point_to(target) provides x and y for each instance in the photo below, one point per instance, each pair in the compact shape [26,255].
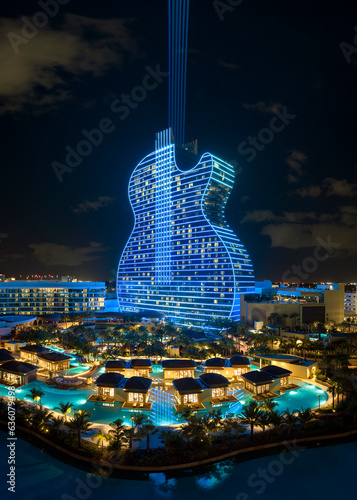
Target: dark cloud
[36,75]
[264,107]
[87,206]
[53,254]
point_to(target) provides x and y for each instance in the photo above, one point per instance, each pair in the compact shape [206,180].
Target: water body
[323,472]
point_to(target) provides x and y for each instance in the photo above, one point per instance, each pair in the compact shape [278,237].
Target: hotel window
[136,397]
[217,392]
[190,398]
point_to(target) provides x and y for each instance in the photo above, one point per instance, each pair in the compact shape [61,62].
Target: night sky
[246,65]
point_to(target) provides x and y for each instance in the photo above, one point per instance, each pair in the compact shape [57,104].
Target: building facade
[350,306]
[49,297]
[182,259]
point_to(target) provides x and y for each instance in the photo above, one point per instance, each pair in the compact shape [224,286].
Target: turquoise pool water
[324,472]
[162,412]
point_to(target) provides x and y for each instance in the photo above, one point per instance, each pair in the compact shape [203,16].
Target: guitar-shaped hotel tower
[182,259]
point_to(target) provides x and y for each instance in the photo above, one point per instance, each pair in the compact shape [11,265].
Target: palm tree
[101,437]
[79,424]
[36,395]
[147,430]
[332,390]
[65,409]
[56,425]
[117,436]
[305,417]
[276,419]
[170,440]
[251,415]
[264,420]
[268,405]
[289,421]
[41,418]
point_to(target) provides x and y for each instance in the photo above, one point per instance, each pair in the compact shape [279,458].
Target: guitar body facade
[182,259]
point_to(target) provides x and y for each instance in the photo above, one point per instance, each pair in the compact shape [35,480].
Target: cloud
[231,66]
[295,236]
[38,76]
[336,187]
[87,206]
[52,254]
[349,215]
[296,160]
[258,216]
[329,187]
[311,191]
[268,215]
[264,107]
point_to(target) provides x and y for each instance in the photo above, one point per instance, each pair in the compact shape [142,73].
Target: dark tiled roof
[257,377]
[187,384]
[276,371]
[117,363]
[140,363]
[5,355]
[215,363]
[178,363]
[34,348]
[139,384]
[54,356]
[110,379]
[18,367]
[239,361]
[214,380]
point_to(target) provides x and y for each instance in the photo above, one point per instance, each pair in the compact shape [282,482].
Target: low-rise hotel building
[178,368]
[50,297]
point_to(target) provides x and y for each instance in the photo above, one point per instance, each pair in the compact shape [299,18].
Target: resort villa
[189,391]
[53,361]
[178,368]
[132,368]
[208,388]
[216,385]
[132,392]
[136,393]
[17,373]
[30,352]
[230,368]
[265,383]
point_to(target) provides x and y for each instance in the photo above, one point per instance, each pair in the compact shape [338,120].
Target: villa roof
[187,384]
[214,380]
[178,363]
[5,355]
[239,361]
[34,348]
[109,379]
[216,362]
[116,363]
[257,377]
[138,384]
[276,371]
[18,367]
[54,356]
[140,363]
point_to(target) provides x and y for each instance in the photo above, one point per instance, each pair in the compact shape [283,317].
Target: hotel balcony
[137,406]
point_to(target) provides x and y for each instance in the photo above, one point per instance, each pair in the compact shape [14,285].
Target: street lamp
[319,396]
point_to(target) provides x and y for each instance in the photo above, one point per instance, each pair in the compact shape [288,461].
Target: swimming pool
[162,412]
[313,473]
